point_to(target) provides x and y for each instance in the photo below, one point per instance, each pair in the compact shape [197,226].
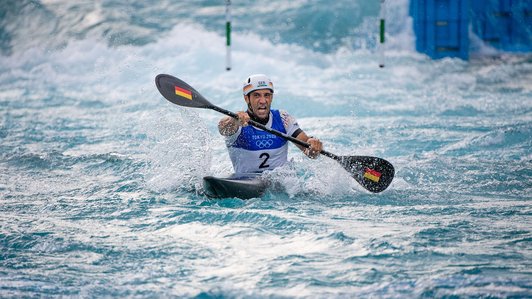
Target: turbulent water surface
[100,177]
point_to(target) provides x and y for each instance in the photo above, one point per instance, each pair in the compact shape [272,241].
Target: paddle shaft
[274,132]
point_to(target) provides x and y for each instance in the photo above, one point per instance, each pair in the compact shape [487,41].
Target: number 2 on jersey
[264,156]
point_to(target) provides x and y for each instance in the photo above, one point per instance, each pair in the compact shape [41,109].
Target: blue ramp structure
[503,24]
[443,27]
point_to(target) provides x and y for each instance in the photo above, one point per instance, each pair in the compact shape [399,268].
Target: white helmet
[255,82]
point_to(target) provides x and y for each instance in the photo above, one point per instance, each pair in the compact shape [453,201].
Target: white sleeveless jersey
[254,150]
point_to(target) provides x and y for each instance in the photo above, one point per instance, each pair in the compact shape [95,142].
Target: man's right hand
[243,118]
[229,125]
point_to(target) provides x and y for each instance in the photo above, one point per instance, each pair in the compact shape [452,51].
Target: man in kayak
[252,149]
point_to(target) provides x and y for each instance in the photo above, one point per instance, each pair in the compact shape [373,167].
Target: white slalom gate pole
[381,32]
[228,34]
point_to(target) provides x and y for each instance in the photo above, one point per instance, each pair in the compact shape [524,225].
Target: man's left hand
[315,147]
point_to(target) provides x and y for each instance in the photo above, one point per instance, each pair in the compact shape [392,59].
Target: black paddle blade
[374,174]
[179,92]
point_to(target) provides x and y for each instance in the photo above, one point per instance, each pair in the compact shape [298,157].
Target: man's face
[260,101]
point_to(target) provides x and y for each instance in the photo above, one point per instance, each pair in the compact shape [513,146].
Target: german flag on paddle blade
[372,175]
[183,93]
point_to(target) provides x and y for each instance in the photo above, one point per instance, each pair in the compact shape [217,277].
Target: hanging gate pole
[228,34]
[381,33]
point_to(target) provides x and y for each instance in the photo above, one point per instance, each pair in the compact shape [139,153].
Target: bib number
[264,156]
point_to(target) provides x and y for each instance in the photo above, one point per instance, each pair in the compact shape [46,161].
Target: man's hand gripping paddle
[374,174]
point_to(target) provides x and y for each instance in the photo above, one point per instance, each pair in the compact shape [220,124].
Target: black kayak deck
[244,186]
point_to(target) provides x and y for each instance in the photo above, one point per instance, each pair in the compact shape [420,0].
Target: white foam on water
[457,132]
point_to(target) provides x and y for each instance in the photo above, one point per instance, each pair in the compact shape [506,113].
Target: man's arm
[228,125]
[315,145]
[291,126]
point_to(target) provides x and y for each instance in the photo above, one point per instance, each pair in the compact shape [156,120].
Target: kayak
[244,186]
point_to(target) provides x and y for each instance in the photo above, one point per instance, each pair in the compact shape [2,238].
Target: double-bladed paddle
[374,174]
